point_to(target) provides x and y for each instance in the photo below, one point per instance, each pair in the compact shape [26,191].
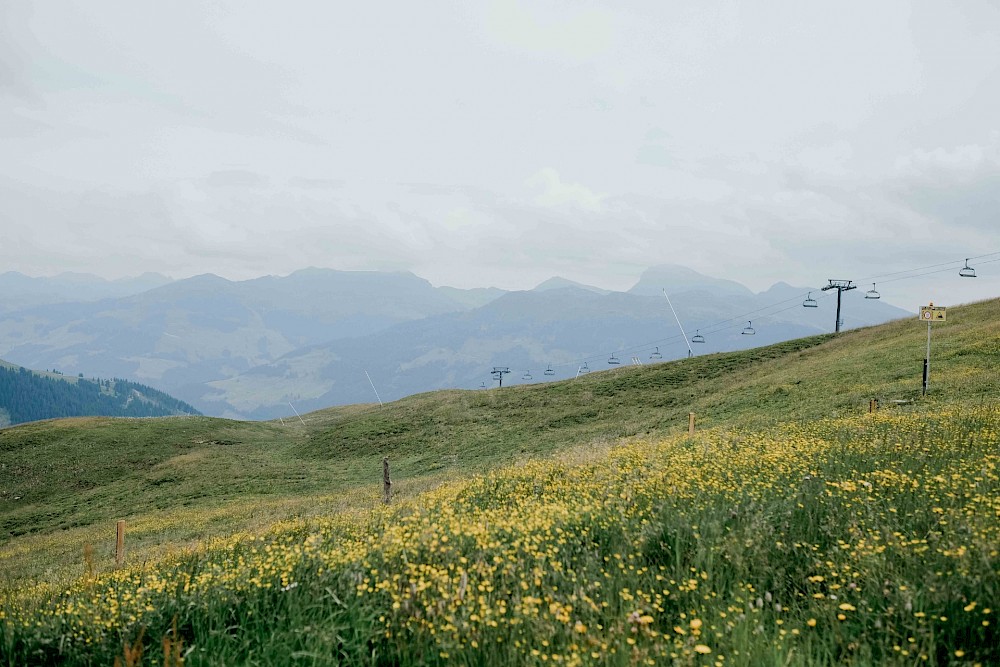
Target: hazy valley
[249,349]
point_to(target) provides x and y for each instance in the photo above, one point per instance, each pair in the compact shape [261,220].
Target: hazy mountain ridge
[207,327]
[525,331]
[675,278]
[248,348]
[20,291]
[558,282]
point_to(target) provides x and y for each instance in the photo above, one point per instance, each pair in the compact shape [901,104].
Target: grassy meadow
[571,523]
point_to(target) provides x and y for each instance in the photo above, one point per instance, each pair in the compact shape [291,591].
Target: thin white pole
[681,326]
[296,413]
[373,388]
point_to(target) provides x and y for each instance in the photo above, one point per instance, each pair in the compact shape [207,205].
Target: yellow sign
[933,313]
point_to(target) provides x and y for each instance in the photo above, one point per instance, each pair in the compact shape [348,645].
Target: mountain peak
[676,278]
[558,282]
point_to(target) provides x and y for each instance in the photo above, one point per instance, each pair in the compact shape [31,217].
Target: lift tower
[498,372]
[841,286]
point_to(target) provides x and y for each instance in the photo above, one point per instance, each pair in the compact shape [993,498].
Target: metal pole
[837,325]
[927,359]
[841,286]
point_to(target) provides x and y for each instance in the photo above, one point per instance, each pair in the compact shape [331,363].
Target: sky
[502,143]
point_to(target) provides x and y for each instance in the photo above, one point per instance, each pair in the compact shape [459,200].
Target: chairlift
[872,294]
[697,338]
[549,371]
[968,271]
[584,368]
[526,376]
[482,385]
[810,302]
[748,329]
[613,360]
[656,353]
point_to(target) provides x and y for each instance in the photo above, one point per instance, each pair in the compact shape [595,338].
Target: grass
[181,482]
[74,474]
[858,540]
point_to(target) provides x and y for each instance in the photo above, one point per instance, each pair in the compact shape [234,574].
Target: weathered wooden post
[386,482]
[120,544]
[88,561]
[690,424]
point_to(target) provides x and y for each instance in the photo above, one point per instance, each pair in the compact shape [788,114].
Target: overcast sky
[501,143]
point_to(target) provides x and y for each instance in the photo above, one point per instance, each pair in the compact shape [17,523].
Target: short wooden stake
[386,482]
[88,561]
[690,423]
[120,544]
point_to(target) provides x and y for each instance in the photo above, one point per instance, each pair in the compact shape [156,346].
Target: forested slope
[29,396]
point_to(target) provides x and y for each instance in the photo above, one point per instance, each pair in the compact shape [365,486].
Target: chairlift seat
[748,330]
[697,338]
[967,271]
[810,302]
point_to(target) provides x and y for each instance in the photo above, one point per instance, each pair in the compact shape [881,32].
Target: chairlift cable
[929,273]
[725,324]
[931,266]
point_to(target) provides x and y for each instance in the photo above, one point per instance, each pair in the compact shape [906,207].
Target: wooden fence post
[120,544]
[386,482]
[690,424]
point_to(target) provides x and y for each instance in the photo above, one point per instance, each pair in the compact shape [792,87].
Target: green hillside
[27,395]
[63,483]
[572,523]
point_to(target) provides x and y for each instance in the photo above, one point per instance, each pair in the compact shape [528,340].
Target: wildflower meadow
[862,540]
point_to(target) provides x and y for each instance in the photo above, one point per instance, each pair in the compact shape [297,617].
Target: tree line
[26,396]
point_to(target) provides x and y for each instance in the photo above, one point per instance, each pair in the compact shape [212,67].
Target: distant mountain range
[27,395]
[20,291]
[315,337]
[208,328]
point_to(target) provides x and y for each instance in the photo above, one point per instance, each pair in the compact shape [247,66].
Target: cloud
[553,191]
[236,178]
[567,32]
[958,185]
[315,183]
[697,133]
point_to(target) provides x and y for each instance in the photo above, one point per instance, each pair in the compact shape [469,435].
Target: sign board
[933,313]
